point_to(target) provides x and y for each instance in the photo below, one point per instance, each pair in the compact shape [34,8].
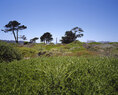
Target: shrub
[8,53]
[25,43]
[60,76]
[28,52]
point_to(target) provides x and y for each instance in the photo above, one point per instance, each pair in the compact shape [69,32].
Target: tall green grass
[60,76]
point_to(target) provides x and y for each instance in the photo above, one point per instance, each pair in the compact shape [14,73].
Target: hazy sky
[98,18]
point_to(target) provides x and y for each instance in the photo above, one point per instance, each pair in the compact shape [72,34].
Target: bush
[25,43]
[28,52]
[60,76]
[8,53]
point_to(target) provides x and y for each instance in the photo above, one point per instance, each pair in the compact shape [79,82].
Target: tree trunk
[14,35]
[17,37]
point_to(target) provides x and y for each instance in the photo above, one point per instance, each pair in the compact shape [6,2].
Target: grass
[73,49]
[60,76]
[28,52]
[95,43]
[69,69]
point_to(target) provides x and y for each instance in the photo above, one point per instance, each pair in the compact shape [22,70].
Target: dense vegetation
[75,48]
[8,53]
[77,68]
[60,76]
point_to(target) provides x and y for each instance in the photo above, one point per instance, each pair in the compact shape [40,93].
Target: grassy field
[60,76]
[73,49]
[63,69]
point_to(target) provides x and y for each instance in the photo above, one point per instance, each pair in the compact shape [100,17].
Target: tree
[46,38]
[14,27]
[23,37]
[72,35]
[34,40]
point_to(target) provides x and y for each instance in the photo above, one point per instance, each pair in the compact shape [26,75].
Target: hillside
[63,69]
[73,49]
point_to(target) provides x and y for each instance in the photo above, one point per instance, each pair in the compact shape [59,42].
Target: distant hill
[90,41]
[12,41]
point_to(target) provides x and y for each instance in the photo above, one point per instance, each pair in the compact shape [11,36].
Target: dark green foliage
[14,27]
[8,53]
[60,76]
[72,35]
[34,40]
[46,37]
[26,42]
[69,37]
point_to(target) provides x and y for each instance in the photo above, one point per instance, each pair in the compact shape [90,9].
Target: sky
[98,18]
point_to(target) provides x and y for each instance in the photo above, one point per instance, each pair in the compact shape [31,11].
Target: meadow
[60,76]
[72,69]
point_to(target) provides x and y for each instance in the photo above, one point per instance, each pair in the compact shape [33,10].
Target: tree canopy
[72,35]
[14,27]
[34,40]
[46,38]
